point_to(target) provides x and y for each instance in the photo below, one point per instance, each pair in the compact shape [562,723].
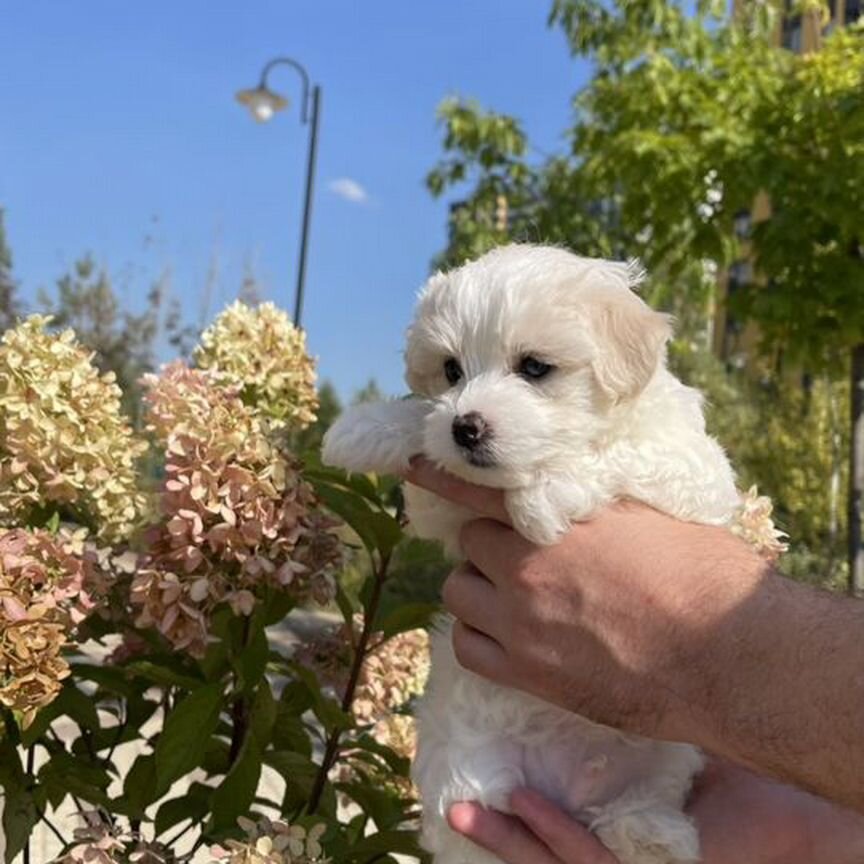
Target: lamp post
[263,103]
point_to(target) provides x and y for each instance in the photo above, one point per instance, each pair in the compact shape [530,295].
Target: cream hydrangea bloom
[63,439]
[99,841]
[273,842]
[259,351]
[753,523]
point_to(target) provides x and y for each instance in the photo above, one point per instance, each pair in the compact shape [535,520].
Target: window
[790,31]
[740,274]
[742,222]
[791,35]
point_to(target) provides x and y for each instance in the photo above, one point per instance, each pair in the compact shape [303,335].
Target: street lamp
[263,103]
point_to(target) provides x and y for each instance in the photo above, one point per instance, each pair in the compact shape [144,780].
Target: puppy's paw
[379,436]
[660,835]
[544,511]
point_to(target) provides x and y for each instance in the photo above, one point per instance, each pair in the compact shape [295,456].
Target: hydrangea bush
[145,681]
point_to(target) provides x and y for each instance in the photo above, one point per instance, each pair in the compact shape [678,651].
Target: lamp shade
[262,102]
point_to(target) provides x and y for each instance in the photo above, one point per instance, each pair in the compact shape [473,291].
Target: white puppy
[542,373]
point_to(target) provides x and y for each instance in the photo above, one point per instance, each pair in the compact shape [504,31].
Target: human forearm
[779,685]
[745,817]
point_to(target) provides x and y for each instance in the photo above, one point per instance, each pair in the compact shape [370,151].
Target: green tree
[370,392]
[811,248]
[10,308]
[689,115]
[506,195]
[688,118]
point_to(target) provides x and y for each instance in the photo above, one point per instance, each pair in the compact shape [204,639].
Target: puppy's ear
[416,371]
[426,335]
[630,340]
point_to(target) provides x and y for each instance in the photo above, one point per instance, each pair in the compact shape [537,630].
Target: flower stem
[240,707]
[41,814]
[332,749]
[31,755]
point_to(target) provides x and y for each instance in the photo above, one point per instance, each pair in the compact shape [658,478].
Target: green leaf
[376,529]
[251,662]
[277,606]
[327,710]
[263,714]
[217,757]
[75,775]
[299,774]
[112,679]
[233,797]
[359,483]
[343,601]
[408,617]
[385,807]
[19,808]
[139,788]
[19,819]
[383,843]
[356,828]
[186,734]
[193,804]
[289,730]
[290,733]
[217,660]
[44,718]
[70,702]
[296,697]
[165,673]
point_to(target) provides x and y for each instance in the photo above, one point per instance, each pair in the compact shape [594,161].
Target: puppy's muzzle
[471,431]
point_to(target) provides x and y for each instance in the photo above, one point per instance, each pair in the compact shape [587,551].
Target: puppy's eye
[531,367]
[453,370]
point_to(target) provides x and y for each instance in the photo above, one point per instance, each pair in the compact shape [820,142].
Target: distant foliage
[10,307]
[791,441]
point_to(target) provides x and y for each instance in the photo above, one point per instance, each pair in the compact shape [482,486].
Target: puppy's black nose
[470,430]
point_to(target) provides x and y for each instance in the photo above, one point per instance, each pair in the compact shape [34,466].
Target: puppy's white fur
[610,421]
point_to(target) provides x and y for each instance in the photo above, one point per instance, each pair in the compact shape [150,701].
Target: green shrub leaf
[188,728]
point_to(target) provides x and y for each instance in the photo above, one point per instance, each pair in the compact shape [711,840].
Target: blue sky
[119,136]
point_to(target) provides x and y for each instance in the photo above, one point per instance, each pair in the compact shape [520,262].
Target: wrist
[833,835]
[780,684]
[726,638]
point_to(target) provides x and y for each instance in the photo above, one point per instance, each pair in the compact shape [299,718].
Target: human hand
[614,622]
[537,832]
[667,629]
[741,817]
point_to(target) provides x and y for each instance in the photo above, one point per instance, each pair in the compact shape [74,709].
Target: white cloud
[349,189]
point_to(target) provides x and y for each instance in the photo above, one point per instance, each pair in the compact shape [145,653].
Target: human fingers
[478,652]
[565,837]
[481,499]
[471,598]
[502,835]
[493,548]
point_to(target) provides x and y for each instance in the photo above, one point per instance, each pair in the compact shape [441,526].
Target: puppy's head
[529,352]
